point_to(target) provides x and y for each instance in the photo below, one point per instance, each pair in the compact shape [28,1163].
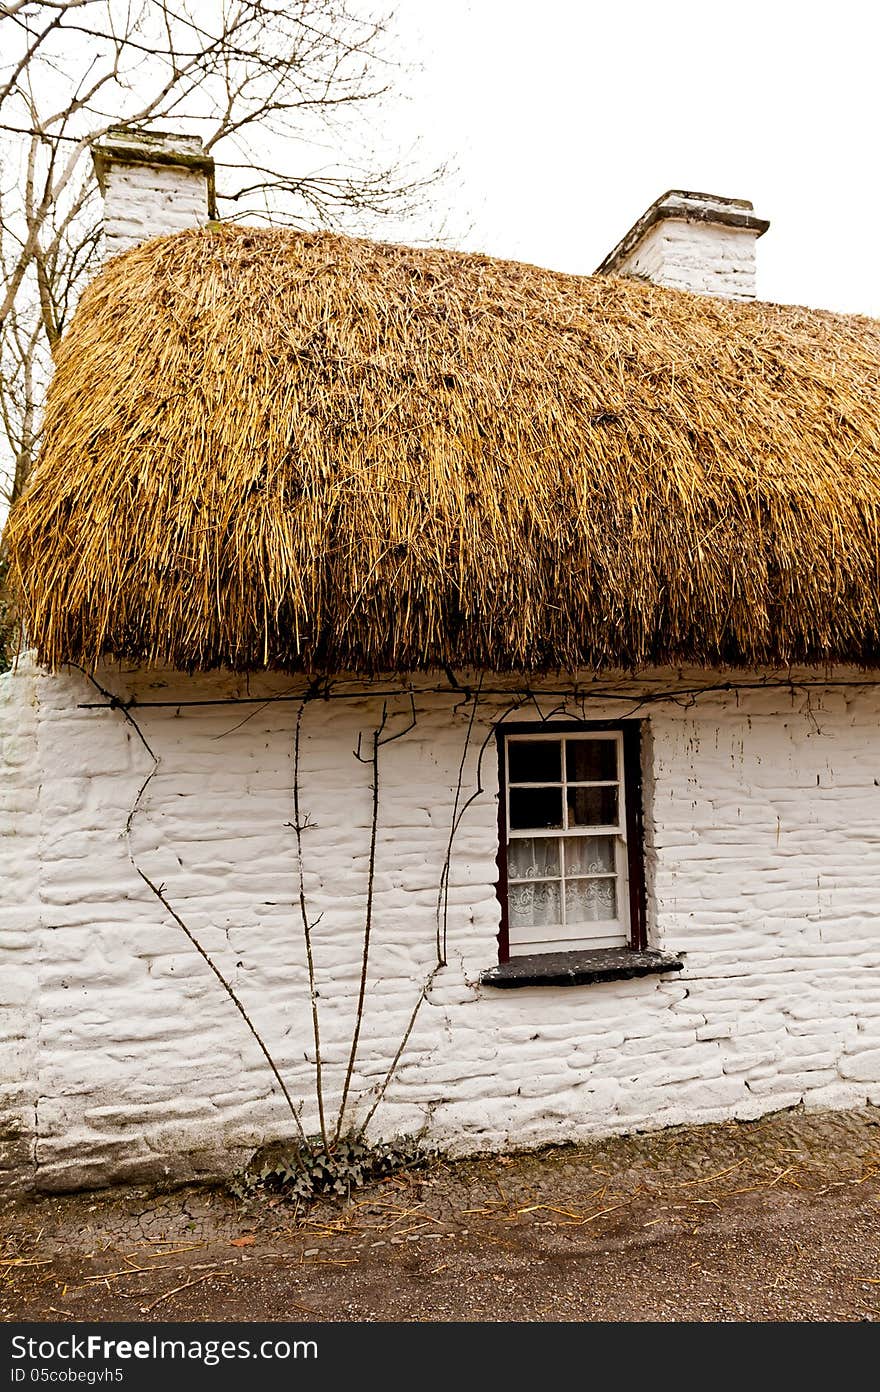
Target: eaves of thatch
[265,448]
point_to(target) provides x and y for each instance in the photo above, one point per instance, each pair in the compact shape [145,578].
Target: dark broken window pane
[535,808]
[534,761]
[592,807]
[590,760]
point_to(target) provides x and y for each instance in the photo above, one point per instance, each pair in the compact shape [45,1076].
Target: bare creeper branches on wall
[353,1114]
[159,892]
[346,1111]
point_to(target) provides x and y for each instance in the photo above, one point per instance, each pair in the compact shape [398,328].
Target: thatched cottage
[452,698]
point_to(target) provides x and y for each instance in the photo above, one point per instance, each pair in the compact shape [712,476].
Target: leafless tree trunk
[271,85]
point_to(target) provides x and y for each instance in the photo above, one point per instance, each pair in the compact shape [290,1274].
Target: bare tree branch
[250,76]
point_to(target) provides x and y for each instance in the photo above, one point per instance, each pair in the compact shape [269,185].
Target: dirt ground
[771,1220]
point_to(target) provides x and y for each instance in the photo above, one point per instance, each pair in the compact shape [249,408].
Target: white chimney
[692,241]
[153,183]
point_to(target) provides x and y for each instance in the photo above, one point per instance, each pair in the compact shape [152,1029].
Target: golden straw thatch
[265,448]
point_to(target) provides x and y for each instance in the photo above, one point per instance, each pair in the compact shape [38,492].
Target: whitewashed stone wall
[707,258]
[124,1058]
[151,200]
[19,924]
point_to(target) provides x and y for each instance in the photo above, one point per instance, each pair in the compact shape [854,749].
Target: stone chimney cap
[686,207]
[123,146]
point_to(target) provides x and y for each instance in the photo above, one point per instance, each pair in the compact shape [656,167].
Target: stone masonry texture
[123,1058]
[704,257]
[151,200]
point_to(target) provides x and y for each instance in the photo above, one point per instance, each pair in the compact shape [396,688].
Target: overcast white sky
[567,118]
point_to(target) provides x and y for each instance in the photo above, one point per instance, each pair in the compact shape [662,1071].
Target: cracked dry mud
[771,1220]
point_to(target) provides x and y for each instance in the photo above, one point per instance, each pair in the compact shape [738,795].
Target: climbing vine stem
[368,752]
[307,925]
[159,892]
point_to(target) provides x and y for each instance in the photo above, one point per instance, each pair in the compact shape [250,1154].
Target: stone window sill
[580,968]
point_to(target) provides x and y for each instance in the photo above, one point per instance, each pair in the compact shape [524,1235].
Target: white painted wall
[19,922]
[124,1059]
[707,258]
[151,200]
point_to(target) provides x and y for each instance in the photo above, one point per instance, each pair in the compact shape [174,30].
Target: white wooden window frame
[605,933]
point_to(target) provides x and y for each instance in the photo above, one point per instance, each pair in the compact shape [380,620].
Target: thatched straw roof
[265,448]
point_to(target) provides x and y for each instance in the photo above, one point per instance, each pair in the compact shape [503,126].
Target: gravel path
[771,1220]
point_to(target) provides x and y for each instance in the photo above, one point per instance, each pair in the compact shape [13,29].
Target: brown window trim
[635,833]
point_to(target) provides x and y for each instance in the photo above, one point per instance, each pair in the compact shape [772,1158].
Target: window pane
[590,760]
[532,858]
[536,807]
[534,761]
[590,901]
[589,855]
[534,905]
[592,807]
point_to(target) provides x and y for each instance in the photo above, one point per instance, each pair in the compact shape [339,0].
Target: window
[570,858]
